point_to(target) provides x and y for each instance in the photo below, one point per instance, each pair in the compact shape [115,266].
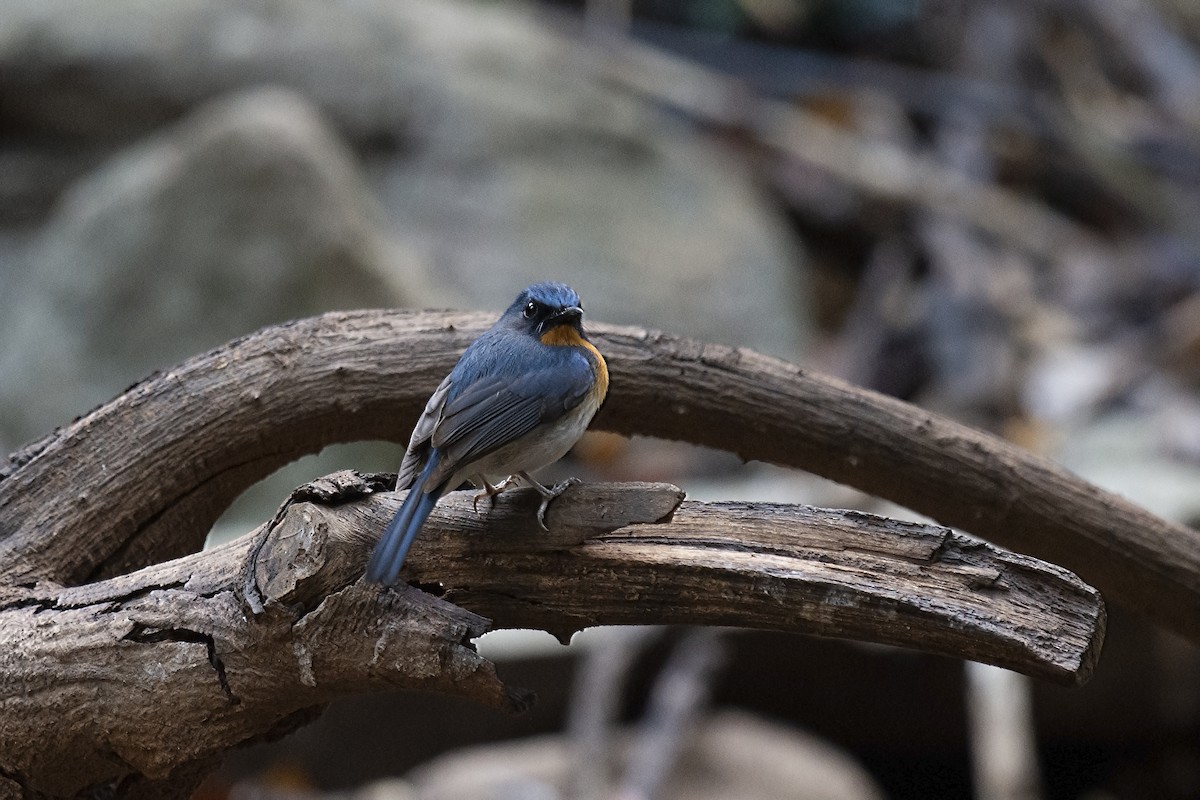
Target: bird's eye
[530,309]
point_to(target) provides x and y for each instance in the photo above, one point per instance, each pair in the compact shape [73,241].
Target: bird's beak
[566,314]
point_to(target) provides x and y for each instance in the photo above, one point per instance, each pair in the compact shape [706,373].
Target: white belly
[535,450]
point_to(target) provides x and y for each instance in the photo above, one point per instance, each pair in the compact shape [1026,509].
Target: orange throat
[567,336]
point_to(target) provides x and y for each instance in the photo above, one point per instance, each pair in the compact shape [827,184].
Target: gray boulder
[247,212]
[495,147]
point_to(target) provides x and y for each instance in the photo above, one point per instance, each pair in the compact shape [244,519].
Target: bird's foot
[548,494]
[490,493]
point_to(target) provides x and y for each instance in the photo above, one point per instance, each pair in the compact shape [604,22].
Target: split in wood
[637,553]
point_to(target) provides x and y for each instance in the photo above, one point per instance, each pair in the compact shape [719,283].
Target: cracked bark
[154,674]
[147,678]
[122,652]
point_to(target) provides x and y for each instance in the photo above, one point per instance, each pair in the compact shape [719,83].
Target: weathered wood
[766,409]
[152,676]
[157,671]
[762,565]
[211,426]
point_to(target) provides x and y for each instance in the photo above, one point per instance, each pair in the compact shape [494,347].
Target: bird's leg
[490,491]
[547,494]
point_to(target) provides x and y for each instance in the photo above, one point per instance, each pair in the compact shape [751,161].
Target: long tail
[388,558]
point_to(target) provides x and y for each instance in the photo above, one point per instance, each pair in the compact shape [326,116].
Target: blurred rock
[1067,381]
[247,212]
[111,70]
[1134,454]
[496,144]
[530,167]
[732,755]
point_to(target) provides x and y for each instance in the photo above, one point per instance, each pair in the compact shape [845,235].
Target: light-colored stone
[732,755]
[501,152]
[131,65]
[495,147]
[531,166]
[247,212]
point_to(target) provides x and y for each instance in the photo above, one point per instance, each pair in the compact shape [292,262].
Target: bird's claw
[550,494]
[490,493]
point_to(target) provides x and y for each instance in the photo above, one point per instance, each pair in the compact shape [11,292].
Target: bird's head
[550,312]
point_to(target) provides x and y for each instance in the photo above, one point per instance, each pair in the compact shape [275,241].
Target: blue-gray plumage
[518,399]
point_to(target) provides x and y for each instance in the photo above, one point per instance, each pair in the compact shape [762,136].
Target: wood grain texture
[210,427]
[148,668]
[154,674]
[142,681]
[756,565]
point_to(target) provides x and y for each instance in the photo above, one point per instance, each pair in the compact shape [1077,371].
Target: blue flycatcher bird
[519,398]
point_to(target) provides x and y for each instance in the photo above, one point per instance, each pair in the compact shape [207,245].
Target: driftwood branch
[638,553]
[210,427]
[212,650]
[100,629]
[141,682]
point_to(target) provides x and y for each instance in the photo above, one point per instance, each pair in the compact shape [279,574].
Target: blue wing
[499,409]
[417,454]
[499,391]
